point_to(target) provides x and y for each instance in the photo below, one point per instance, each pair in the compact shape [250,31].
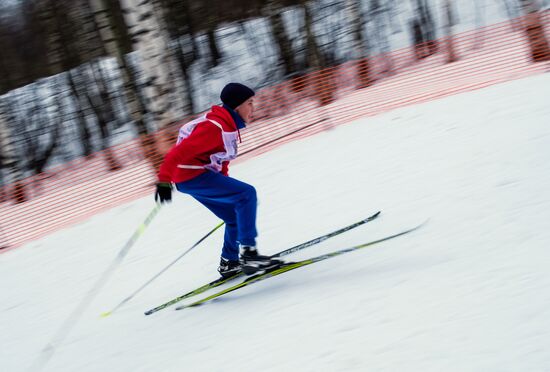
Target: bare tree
[273,10]
[99,99]
[215,54]
[118,43]
[163,85]
[314,56]
[22,42]
[532,23]
[8,155]
[380,14]
[360,44]
[423,31]
[70,56]
[448,27]
[187,24]
[43,134]
[428,25]
[9,161]
[324,82]
[181,28]
[96,95]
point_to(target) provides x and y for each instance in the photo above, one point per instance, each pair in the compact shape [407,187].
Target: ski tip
[425,221]
[105,314]
[194,304]
[421,224]
[372,216]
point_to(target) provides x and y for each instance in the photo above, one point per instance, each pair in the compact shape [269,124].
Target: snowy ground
[467,292]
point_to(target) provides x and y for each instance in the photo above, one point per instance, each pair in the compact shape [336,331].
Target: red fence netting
[296,108]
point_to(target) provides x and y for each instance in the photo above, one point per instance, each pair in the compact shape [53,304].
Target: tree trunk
[8,159]
[360,48]
[323,79]
[43,141]
[5,83]
[117,41]
[114,32]
[102,104]
[103,110]
[429,25]
[89,43]
[179,93]
[11,169]
[190,102]
[378,13]
[215,54]
[314,56]
[163,88]
[534,28]
[69,58]
[286,55]
[189,22]
[42,154]
[54,41]
[423,29]
[75,79]
[419,45]
[448,26]
[179,22]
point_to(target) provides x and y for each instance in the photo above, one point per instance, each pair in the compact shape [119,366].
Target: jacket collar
[239,122]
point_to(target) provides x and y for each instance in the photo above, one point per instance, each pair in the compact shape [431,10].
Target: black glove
[164,192]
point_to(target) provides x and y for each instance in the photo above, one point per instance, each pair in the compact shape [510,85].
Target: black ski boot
[229,268]
[253,262]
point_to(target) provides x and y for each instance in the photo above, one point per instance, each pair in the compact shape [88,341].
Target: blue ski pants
[232,201]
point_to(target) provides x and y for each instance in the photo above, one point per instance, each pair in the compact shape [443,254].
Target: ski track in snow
[467,292]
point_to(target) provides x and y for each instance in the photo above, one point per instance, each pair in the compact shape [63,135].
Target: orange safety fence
[299,107]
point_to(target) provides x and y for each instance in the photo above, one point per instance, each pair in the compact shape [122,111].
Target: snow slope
[467,292]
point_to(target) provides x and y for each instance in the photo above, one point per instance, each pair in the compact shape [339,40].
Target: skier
[198,166]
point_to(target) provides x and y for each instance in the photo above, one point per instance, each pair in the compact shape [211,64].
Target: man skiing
[198,166]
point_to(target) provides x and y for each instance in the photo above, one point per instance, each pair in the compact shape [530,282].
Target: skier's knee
[250,193]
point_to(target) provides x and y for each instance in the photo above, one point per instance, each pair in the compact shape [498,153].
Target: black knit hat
[234,94]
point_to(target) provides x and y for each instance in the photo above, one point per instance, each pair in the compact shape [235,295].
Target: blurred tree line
[72,74]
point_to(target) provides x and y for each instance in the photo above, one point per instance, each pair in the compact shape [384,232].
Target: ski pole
[73,318]
[107,313]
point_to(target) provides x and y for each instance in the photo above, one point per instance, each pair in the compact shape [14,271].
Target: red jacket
[206,143]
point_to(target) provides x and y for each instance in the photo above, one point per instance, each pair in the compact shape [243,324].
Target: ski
[221,281]
[286,267]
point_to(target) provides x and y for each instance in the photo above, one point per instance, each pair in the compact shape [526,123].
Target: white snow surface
[470,291]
